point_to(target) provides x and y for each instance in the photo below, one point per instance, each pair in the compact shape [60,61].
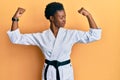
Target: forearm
[14,25]
[15,18]
[91,21]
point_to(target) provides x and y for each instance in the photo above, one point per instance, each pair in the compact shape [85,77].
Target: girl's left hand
[84,12]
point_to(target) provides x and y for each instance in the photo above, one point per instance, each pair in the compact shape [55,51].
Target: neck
[54,29]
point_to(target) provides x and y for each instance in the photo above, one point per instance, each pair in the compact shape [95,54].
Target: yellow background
[99,60]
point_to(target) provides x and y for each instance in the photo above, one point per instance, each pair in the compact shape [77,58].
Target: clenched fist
[19,13]
[84,12]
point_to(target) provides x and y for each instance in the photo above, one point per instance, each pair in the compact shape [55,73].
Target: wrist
[89,16]
[15,19]
[15,16]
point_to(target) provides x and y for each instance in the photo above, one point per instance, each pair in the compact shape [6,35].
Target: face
[59,18]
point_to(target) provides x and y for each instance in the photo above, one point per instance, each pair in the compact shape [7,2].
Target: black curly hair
[51,9]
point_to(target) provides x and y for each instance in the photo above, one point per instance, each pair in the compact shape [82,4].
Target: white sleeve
[86,37]
[26,39]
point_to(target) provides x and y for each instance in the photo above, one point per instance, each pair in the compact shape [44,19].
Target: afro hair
[52,8]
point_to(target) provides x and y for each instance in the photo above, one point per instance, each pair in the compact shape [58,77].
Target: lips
[63,23]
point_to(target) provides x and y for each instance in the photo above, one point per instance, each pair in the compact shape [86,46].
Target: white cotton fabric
[58,48]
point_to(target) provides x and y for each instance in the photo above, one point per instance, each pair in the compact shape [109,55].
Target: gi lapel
[57,42]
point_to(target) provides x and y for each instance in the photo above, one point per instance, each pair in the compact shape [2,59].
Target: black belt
[56,64]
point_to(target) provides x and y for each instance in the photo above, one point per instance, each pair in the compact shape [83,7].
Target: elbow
[98,37]
[94,38]
[14,41]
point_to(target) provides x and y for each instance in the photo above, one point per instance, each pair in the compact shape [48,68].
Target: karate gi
[58,48]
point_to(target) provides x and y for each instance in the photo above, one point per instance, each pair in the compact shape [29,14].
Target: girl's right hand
[19,12]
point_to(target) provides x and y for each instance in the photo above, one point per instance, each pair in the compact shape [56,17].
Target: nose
[64,20]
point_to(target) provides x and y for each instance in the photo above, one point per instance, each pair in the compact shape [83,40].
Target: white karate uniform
[58,48]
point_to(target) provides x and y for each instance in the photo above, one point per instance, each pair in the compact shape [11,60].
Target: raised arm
[18,38]
[92,35]
[15,18]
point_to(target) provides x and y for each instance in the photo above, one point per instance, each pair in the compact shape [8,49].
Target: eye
[62,17]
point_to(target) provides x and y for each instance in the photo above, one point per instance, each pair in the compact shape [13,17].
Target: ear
[51,18]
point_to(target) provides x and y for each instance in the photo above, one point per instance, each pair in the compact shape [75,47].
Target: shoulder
[70,30]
